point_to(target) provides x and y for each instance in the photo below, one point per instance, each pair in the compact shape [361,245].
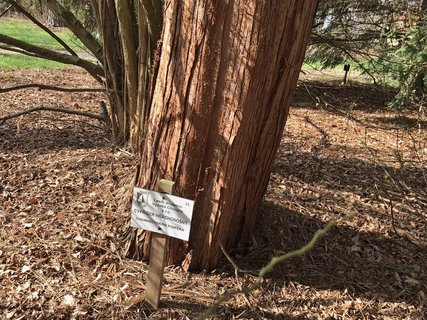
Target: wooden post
[346,69]
[158,250]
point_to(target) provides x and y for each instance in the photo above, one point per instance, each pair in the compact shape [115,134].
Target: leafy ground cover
[343,153]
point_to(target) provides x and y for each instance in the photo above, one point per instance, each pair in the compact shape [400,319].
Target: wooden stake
[346,69]
[158,250]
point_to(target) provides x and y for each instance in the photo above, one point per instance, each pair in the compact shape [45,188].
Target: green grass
[317,65]
[19,61]
[27,31]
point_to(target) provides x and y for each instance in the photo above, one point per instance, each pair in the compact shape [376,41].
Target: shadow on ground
[349,174]
[363,263]
[45,140]
[352,96]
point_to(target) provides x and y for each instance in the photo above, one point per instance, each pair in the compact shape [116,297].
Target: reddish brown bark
[226,75]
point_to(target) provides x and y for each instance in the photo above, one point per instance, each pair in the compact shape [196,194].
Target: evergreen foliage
[385,39]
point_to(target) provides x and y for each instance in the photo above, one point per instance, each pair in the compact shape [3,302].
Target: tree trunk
[53,21]
[226,75]
[72,23]
[128,34]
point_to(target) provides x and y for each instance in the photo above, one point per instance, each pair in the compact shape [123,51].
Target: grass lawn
[27,31]
[20,61]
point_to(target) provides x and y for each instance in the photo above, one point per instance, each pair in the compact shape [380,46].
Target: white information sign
[162,213]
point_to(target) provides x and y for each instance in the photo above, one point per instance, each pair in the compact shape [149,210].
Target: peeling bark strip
[226,75]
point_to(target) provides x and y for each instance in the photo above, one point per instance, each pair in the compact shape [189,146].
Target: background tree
[378,36]
[124,52]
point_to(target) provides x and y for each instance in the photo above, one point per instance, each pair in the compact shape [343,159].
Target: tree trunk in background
[52,21]
[226,75]
[128,35]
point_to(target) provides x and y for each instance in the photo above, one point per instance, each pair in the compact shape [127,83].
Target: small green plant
[403,270]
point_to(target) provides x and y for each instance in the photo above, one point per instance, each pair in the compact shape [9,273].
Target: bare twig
[43,108]
[5,11]
[230,259]
[74,121]
[236,273]
[48,87]
[393,223]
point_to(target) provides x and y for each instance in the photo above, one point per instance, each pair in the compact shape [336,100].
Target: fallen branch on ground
[47,87]
[43,108]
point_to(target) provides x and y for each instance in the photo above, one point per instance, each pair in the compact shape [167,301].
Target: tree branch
[348,53]
[47,87]
[5,11]
[62,110]
[71,22]
[41,26]
[95,70]
[11,49]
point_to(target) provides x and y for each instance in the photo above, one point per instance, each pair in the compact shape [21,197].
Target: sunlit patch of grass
[18,61]
[27,31]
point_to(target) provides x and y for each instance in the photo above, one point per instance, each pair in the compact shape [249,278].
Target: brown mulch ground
[343,153]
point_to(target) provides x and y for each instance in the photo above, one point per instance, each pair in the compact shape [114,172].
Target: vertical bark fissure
[151,160]
[172,59]
[286,76]
[185,111]
[253,130]
[205,99]
[238,82]
[172,66]
[185,127]
[213,205]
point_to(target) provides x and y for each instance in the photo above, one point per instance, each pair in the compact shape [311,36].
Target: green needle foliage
[408,65]
[384,39]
